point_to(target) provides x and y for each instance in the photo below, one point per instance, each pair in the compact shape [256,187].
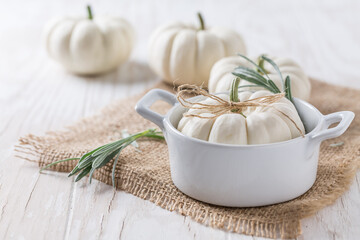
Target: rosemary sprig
[100,156]
[259,77]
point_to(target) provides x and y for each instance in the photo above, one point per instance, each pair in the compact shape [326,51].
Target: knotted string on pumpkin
[212,111]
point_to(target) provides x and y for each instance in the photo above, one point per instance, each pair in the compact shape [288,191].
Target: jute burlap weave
[146,174]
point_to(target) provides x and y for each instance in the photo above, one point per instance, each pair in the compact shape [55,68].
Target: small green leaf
[88,154]
[60,161]
[92,170]
[246,75]
[276,68]
[109,147]
[336,144]
[253,80]
[108,158]
[288,88]
[125,134]
[154,136]
[113,169]
[74,171]
[255,65]
[251,73]
[98,160]
[273,85]
[85,162]
[249,86]
[83,173]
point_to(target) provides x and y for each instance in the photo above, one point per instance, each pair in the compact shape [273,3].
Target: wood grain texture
[36,95]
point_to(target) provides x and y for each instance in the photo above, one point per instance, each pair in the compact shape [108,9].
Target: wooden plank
[36,95]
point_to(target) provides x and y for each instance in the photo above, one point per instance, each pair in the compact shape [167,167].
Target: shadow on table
[129,72]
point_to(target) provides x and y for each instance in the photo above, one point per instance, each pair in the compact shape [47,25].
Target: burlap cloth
[146,174]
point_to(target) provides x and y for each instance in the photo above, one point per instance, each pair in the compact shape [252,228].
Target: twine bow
[222,106]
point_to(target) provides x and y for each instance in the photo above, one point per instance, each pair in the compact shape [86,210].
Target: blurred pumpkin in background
[221,76]
[91,45]
[182,53]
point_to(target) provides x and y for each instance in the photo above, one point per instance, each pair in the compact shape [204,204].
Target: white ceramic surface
[244,175]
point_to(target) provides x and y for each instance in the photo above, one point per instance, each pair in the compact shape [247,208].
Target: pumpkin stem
[234,95]
[202,23]
[261,63]
[90,15]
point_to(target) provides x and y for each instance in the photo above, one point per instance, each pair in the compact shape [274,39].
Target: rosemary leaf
[102,160]
[92,170]
[74,171]
[246,86]
[248,74]
[251,73]
[155,136]
[113,169]
[255,65]
[252,80]
[60,161]
[288,89]
[336,144]
[85,162]
[273,85]
[109,147]
[83,173]
[125,134]
[113,154]
[85,156]
[276,68]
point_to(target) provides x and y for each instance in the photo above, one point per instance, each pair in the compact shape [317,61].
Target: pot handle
[143,106]
[343,118]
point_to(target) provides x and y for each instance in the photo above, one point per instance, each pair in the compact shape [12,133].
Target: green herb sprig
[259,76]
[100,156]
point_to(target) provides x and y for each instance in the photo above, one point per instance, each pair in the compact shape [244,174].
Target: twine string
[222,106]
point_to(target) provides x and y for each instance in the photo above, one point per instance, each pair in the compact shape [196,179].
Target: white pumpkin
[221,75]
[260,126]
[181,53]
[89,45]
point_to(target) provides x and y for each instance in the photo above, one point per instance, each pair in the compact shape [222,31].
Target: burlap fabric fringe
[146,174]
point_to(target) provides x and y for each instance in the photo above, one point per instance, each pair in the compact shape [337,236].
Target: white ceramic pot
[244,175]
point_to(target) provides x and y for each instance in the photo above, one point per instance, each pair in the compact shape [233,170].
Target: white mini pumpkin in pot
[89,45]
[243,118]
[221,75]
[181,53]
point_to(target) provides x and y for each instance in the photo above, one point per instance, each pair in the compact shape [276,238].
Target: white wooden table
[36,96]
